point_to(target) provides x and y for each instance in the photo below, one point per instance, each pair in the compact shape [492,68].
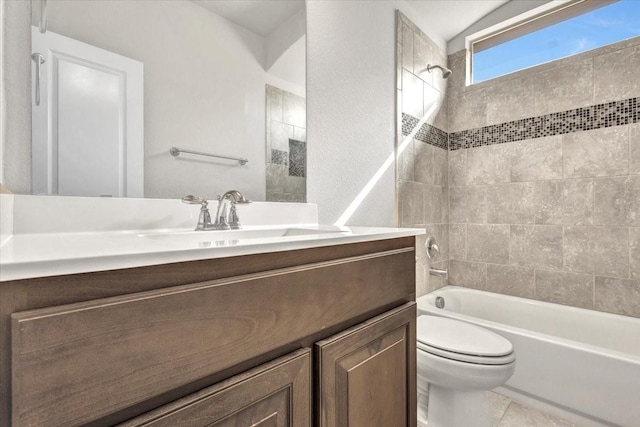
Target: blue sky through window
[600,27]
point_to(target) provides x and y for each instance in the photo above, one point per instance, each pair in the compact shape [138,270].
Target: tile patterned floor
[506,413]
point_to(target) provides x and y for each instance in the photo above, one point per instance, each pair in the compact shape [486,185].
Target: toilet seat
[463,342]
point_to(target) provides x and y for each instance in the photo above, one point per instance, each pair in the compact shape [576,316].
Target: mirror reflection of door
[87,125]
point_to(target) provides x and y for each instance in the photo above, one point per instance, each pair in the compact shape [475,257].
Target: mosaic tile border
[427,133]
[598,116]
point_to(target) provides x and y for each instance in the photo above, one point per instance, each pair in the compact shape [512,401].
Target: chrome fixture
[445,71]
[433,250]
[175,152]
[439,302]
[204,220]
[38,58]
[42,25]
[439,272]
[230,221]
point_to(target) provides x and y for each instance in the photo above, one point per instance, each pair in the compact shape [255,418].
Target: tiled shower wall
[422,146]
[544,177]
[286,145]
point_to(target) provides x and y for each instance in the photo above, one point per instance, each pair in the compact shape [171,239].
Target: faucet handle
[193,200]
[433,250]
[204,219]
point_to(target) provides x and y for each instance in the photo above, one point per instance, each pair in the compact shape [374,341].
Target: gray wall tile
[618,296]
[445,205]
[411,199]
[489,165]
[458,241]
[422,56]
[617,201]
[407,47]
[600,152]
[597,250]
[441,234]
[568,202]
[516,281]
[565,288]
[406,161]
[440,170]
[634,148]
[458,168]
[564,87]
[424,162]
[434,204]
[468,274]
[468,204]
[280,135]
[510,203]
[536,246]
[617,75]
[488,243]
[511,100]
[537,159]
[467,110]
[634,252]
[439,58]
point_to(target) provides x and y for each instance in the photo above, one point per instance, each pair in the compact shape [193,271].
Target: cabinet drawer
[276,394]
[81,363]
[367,375]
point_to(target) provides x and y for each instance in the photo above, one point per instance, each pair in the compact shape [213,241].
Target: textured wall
[423,196]
[544,180]
[15,95]
[350,69]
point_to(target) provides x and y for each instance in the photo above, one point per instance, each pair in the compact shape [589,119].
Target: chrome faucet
[433,252]
[231,220]
[204,220]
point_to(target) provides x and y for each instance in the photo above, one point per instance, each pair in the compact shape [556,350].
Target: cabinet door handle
[39,60]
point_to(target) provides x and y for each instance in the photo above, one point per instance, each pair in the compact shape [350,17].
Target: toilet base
[455,408]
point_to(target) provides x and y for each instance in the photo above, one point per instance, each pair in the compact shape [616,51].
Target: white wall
[351,106]
[15,94]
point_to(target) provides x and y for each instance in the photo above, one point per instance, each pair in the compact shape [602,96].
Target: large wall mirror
[118,83]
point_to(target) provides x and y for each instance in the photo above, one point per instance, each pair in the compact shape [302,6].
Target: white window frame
[546,15]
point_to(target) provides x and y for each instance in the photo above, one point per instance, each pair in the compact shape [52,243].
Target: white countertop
[31,255]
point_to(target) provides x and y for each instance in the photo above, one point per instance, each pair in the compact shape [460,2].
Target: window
[557,34]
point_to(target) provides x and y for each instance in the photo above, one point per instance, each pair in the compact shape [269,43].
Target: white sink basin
[234,237]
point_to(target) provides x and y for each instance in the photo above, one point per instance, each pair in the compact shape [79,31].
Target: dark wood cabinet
[215,342]
[276,394]
[366,375]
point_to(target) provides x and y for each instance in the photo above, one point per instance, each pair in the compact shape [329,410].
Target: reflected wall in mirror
[124,81]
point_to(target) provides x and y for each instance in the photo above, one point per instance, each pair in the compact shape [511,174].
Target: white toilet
[457,364]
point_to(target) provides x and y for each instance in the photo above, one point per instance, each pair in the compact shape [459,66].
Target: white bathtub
[580,364]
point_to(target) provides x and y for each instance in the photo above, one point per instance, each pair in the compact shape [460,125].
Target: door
[87,121]
[276,394]
[367,374]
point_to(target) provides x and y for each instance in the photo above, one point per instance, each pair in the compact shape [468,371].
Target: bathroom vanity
[320,335]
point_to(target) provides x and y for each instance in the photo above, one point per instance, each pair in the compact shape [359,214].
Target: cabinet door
[276,394]
[367,374]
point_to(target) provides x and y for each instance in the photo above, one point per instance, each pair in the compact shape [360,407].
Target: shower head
[445,71]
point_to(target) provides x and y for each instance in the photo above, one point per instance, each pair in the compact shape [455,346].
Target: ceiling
[448,18]
[259,16]
[445,18]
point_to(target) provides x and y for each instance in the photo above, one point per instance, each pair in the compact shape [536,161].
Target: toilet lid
[462,338]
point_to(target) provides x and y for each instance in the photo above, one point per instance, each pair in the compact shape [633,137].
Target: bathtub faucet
[439,272]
